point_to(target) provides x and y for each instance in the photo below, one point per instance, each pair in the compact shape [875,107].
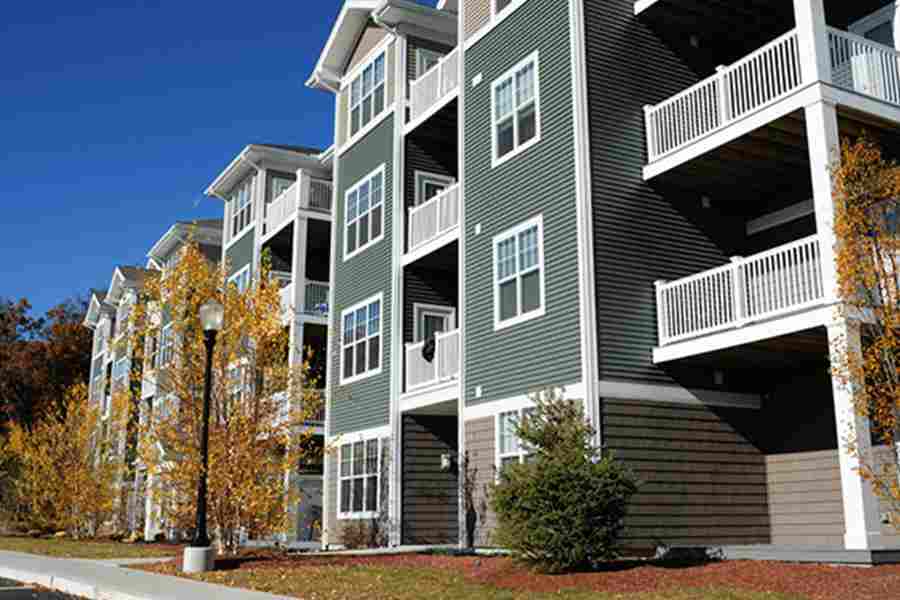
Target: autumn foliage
[867,198]
[259,410]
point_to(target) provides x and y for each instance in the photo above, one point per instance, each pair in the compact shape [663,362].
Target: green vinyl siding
[541,180]
[366,403]
[240,254]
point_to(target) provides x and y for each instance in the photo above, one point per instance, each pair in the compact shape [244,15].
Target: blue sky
[114,116]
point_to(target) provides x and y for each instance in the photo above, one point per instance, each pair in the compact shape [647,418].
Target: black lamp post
[199,556]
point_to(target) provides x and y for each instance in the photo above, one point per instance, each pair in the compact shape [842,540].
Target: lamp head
[212,315]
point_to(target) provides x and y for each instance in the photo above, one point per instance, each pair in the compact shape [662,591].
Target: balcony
[758,82]
[435,88]
[314,302]
[758,289]
[308,193]
[433,219]
[444,366]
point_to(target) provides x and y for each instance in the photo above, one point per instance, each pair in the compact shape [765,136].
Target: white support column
[824,149]
[815,60]
[862,517]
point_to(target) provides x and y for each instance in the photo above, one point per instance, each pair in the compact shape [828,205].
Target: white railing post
[738,295]
[722,76]
[651,134]
[812,39]
[661,312]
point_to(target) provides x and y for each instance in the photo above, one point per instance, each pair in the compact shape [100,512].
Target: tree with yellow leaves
[260,404]
[867,199]
[65,474]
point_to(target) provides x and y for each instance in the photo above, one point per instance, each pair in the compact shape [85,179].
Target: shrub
[563,508]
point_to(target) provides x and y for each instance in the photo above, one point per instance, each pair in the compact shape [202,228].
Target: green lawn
[66,548]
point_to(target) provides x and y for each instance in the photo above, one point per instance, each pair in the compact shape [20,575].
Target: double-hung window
[166,345]
[510,449]
[426,60]
[516,120]
[519,274]
[241,279]
[364,224]
[361,341]
[359,479]
[241,207]
[120,373]
[367,95]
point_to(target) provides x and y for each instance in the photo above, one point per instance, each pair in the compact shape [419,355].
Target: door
[432,319]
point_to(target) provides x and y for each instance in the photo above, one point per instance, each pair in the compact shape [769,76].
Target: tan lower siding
[480,450]
[478,14]
[703,482]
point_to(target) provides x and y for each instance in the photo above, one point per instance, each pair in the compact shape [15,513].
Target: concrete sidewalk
[107,581]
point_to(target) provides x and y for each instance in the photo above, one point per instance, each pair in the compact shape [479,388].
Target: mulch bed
[816,582]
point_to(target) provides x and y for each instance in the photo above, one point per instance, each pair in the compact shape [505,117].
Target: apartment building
[277,203]
[627,200]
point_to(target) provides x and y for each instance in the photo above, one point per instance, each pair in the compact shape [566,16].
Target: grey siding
[639,235]
[430,495]
[703,480]
[805,506]
[427,286]
[544,351]
[240,254]
[364,404]
[480,434]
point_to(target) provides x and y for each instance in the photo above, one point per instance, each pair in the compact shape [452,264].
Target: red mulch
[816,582]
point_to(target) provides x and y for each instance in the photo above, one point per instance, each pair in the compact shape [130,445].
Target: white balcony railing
[315,299]
[734,91]
[864,66]
[776,282]
[436,83]
[308,193]
[433,218]
[443,367]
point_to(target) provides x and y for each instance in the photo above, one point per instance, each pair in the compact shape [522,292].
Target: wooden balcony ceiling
[729,29]
[802,349]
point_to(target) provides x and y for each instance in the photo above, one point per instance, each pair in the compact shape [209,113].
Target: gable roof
[248,160]
[205,231]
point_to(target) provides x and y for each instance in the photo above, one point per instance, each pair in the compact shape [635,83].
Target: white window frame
[234,212]
[424,177]
[379,172]
[240,277]
[166,348]
[541,267]
[357,75]
[368,372]
[421,55]
[364,514]
[518,148]
[421,309]
[521,452]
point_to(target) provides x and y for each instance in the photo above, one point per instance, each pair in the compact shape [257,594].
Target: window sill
[366,130]
[496,162]
[360,516]
[535,314]
[232,240]
[362,377]
[362,249]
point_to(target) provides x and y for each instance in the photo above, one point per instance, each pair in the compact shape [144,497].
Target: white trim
[422,177]
[435,108]
[432,245]
[379,297]
[428,396]
[584,216]
[360,78]
[541,268]
[642,5]
[375,122]
[673,394]
[780,217]
[364,62]
[461,256]
[237,275]
[574,391]
[435,310]
[343,217]
[382,431]
[510,74]
[764,330]
[496,19]
[233,238]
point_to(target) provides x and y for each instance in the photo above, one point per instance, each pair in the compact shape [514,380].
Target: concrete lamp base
[199,560]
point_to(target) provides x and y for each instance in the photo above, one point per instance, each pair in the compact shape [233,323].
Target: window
[516,112]
[241,279]
[120,372]
[166,345]
[361,342]
[510,449]
[359,480]
[365,214]
[519,274]
[277,186]
[426,60]
[429,185]
[367,95]
[501,5]
[431,319]
[241,207]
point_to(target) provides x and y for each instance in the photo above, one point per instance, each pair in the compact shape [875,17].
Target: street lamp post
[199,556]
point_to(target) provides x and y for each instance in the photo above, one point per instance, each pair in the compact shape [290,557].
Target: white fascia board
[216,187]
[642,5]
[341,41]
[674,394]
